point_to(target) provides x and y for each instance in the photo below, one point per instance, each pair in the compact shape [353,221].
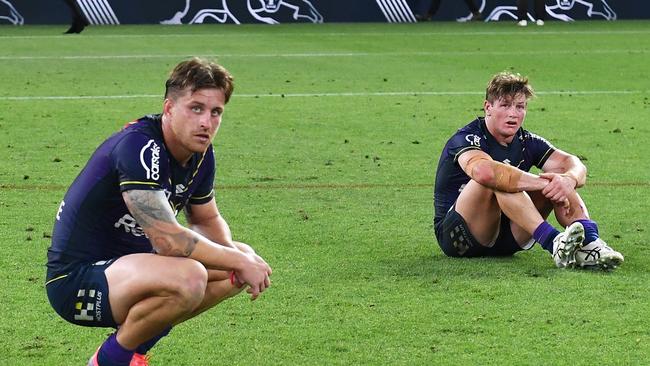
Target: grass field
[326,161]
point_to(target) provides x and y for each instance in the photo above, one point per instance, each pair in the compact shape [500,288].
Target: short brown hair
[197,73]
[507,85]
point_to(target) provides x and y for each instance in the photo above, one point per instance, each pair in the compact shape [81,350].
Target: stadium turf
[326,160]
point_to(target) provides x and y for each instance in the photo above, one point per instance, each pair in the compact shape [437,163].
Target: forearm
[191,244]
[502,177]
[567,165]
[153,213]
[531,182]
[217,256]
[216,229]
[577,173]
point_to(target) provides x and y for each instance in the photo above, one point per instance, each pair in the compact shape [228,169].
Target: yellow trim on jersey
[202,197]
[197,169]
[138,182]
[55,279]
[467,148]
[546,155]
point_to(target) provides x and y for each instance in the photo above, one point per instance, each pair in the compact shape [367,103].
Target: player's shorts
[455,239]
[81,296]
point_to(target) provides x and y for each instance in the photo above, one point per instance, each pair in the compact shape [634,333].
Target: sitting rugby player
[487,203]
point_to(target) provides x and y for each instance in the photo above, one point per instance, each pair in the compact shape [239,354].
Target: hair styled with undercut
[507,85]
[197,73]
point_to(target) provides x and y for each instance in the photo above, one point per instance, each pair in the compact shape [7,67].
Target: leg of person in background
[540,11]
[433,9]
[476,12]
[79,22]
[522,13]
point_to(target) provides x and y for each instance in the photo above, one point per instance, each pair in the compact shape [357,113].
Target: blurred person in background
[522,12]
[435,4]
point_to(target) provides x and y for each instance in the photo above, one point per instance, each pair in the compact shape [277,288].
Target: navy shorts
[455,240]
[81,296]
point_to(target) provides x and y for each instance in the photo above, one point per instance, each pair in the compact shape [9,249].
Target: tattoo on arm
[153,213]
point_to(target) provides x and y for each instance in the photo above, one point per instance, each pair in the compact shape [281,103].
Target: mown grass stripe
[334,94]
[297,186]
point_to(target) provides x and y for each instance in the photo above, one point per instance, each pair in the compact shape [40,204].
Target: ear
[486,107]
[167,106]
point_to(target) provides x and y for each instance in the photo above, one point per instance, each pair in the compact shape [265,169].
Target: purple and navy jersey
[525,150]
[93,222]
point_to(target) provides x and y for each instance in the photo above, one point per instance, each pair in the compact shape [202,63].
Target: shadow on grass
[436,266]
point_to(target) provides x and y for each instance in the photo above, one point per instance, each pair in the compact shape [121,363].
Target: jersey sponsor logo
[473,140]
[151,167]
[130,225]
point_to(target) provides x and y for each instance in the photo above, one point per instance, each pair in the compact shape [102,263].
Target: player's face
[505,116]
[193,120]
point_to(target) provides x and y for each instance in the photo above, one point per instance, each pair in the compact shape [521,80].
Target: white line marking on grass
[415,33]
[308,95]
[335,54]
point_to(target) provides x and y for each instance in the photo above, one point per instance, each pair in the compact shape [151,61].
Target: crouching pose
[488,204]
[119,258]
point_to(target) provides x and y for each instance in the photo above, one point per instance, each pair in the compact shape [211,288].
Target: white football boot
[598,255]
[566,244]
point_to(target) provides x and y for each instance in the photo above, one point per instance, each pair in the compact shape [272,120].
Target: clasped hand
[255,273]
[559,188]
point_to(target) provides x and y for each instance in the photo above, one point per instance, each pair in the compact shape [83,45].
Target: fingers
[556,192]
[255,274]
[256,291]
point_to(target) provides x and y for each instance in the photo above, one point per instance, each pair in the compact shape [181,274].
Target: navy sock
[591,230]
[112,353]
[146,346]
[544,235]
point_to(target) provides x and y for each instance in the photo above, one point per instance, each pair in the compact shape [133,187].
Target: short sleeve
[464,141]
[539,149]
[137,159]
[204,191]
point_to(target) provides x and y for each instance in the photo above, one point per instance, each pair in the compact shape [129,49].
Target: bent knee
[189,284]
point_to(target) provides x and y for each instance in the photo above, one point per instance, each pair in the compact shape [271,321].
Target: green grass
[335,190]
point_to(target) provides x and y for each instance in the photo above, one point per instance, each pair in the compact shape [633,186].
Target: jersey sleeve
[205,176]
[464,141]
[539,149]
[137,159]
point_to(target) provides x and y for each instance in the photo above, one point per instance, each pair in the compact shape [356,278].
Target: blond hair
[507,85]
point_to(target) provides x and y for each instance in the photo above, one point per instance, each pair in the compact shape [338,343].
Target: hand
[255,273]
[249,250]
[559,188]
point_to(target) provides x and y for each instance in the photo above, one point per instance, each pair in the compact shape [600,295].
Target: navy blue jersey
[525,150]
[93,222]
